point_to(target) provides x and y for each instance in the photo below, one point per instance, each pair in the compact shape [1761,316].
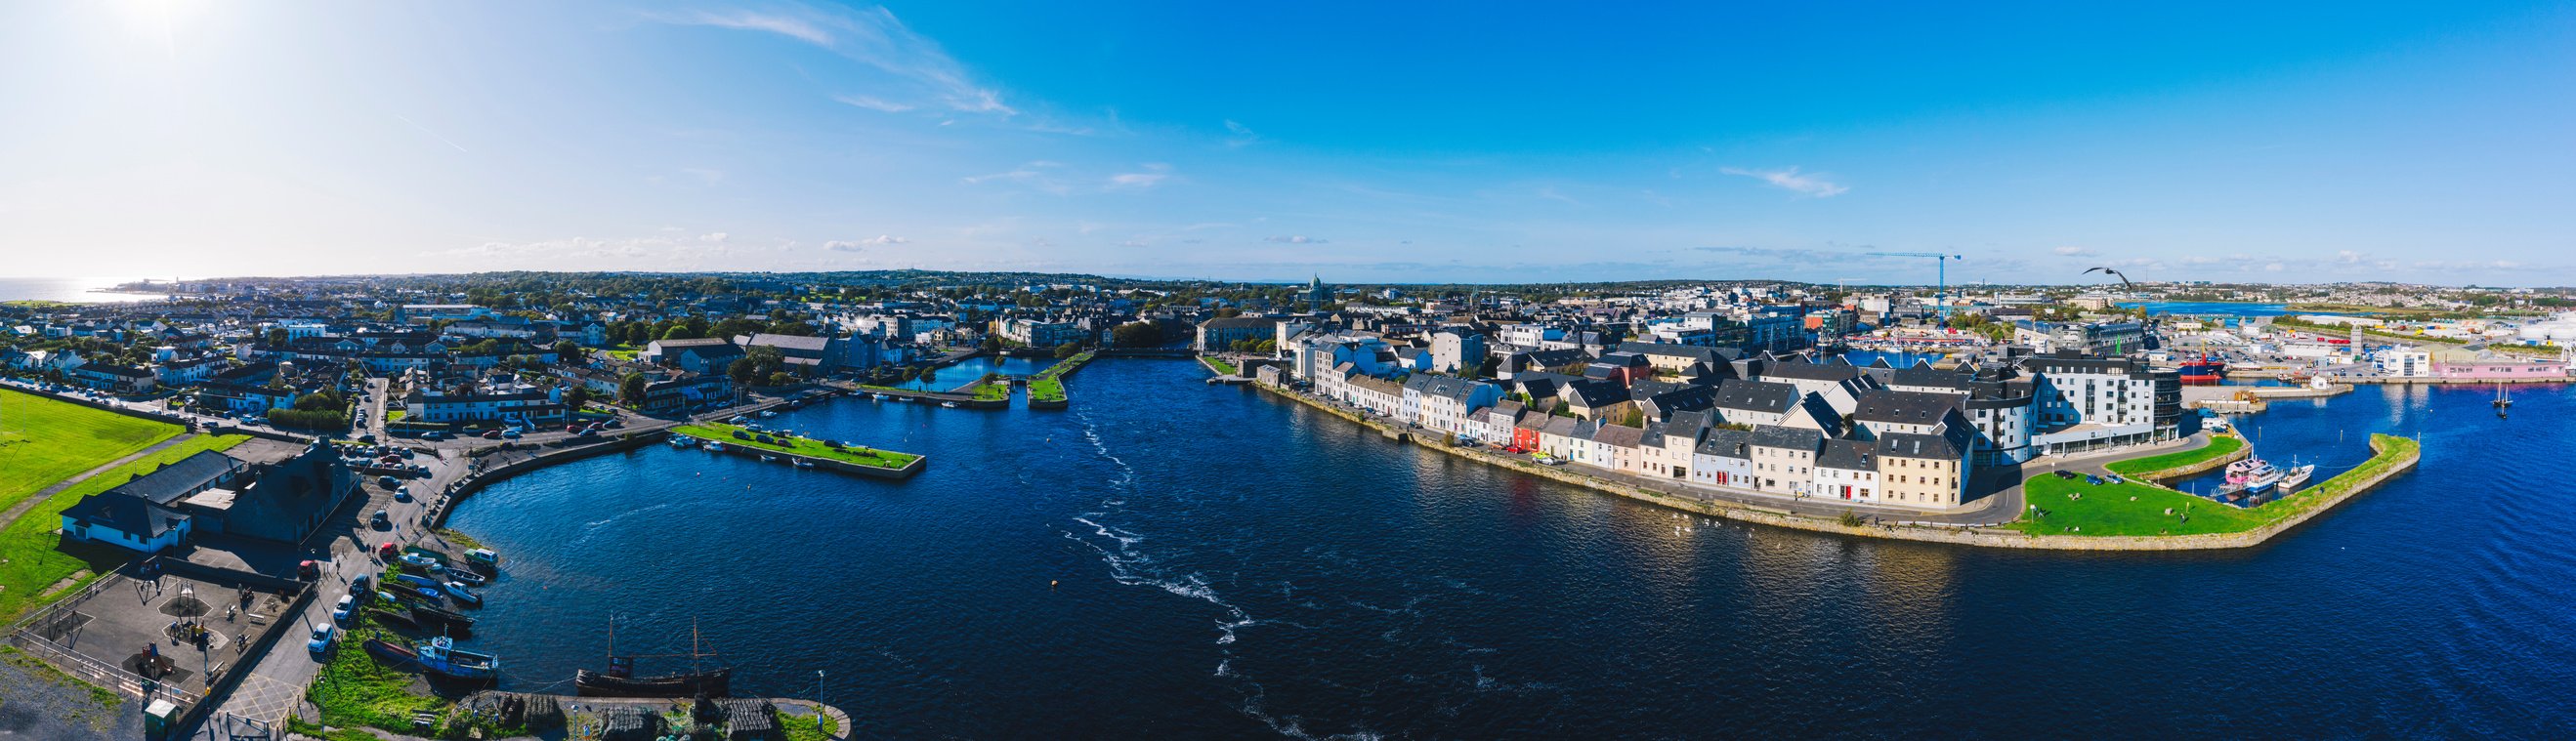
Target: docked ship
[620,680]
[441,656]
[2204,371]
[2253,475]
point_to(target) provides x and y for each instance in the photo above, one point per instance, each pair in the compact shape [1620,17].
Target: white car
[341,610]
[323,634]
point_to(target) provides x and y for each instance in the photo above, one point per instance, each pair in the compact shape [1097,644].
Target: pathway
[19,509]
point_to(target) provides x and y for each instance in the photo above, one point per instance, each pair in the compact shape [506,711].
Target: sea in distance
[1168,559]
[68,290]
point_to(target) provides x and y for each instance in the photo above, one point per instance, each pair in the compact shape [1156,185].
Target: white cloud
[1243,136]
[873,103]
[718,237]
[1154,174]
[873,37]
[1807,184]
[1294,239]
[861,245]
[2075,251]
[1037,174]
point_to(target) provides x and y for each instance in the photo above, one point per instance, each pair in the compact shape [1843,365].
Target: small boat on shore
[441,656]
[467,577]
[767,458]
[948,404]
[802,463]
[430,617]
[392,655]
[462,595]
[715,447]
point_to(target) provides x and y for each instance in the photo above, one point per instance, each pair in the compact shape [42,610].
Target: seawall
[1980,537]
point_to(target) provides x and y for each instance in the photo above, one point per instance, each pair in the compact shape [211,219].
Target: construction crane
[1942,263]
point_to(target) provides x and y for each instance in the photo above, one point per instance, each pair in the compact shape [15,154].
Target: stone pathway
[30,502]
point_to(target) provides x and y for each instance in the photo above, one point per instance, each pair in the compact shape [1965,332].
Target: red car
[491,434]
[308,570]
[575,427]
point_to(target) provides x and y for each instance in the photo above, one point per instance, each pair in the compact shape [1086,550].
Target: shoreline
[1965,535]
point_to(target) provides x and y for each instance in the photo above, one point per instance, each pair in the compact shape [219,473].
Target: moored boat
[2203,372]
[396,656]
[710,683]
[2297,477]
[429,618]
[802,463]
[463,596]
[441,656]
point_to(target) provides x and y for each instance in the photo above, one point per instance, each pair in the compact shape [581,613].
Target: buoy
[1051,583]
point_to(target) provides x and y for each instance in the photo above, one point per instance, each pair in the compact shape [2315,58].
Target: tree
[568,352]
[781,379]
[277,336]
[576,397]
[679,332]
[631,388]
[743,370]
[992,344]
[1067,350]
[1137,334]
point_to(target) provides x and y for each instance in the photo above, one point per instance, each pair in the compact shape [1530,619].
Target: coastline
[1969,536]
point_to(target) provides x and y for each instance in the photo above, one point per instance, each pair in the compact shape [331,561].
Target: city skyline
[1489,145]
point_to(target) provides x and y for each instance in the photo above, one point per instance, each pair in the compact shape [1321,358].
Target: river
[1231,565]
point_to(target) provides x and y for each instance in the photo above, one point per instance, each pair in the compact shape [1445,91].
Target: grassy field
[2219,445]
[869,457]
[1048,388]
[43,441]
[32,555]
[2073,507]
[353,689]
[1222,367]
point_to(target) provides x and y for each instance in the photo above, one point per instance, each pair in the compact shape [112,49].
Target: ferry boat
[2254,475]
[441,656]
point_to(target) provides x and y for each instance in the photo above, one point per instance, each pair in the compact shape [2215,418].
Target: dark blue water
[2211,308]
[1894,358]
[966,371]
[1235,566]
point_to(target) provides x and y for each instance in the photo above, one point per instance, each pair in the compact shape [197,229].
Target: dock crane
[1942,264]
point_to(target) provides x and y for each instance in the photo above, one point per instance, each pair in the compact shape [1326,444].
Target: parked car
[510,434]
[323,635]
[308,570]
[381,521]
[433,435]
[369,438]
[388,482]
[341,610]
[492,434]
[402,495]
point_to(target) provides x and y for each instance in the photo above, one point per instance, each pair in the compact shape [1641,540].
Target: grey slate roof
[1951,444]
[175,479]
[1905,407]
[1794,438]
[1767,397]
[1848,455]
[1727,443]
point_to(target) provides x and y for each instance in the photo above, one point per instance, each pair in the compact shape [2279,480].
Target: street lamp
[818,695]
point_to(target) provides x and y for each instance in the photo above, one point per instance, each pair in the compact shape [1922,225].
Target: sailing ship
[620,680]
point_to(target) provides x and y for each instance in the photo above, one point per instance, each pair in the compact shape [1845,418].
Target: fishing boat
[420,562]
[467,577]
[802,463]
[679,441]
[766,458]
[2296,477]
[620,680]
[441,656]
[948,404]
[396,619]
[423,594]
[715,446]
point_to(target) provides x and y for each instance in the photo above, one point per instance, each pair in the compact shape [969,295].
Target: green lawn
[1220,365]
[36,557]
[1048,388]
[2219,445]
[999,391]
[869,457]
[2133,508]
[43,441]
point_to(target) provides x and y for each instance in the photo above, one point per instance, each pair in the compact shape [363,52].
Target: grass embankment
[2219,445]
[2072,507]
[991,390]
[1222,367]
[854,454]
[33,557]
[1048,385]
[43,441]
[816,727]
[100,711]
[354,689]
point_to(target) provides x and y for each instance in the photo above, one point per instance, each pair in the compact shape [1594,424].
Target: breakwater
[1972,536]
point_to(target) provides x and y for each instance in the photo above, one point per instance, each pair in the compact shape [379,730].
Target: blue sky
[1437,142]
